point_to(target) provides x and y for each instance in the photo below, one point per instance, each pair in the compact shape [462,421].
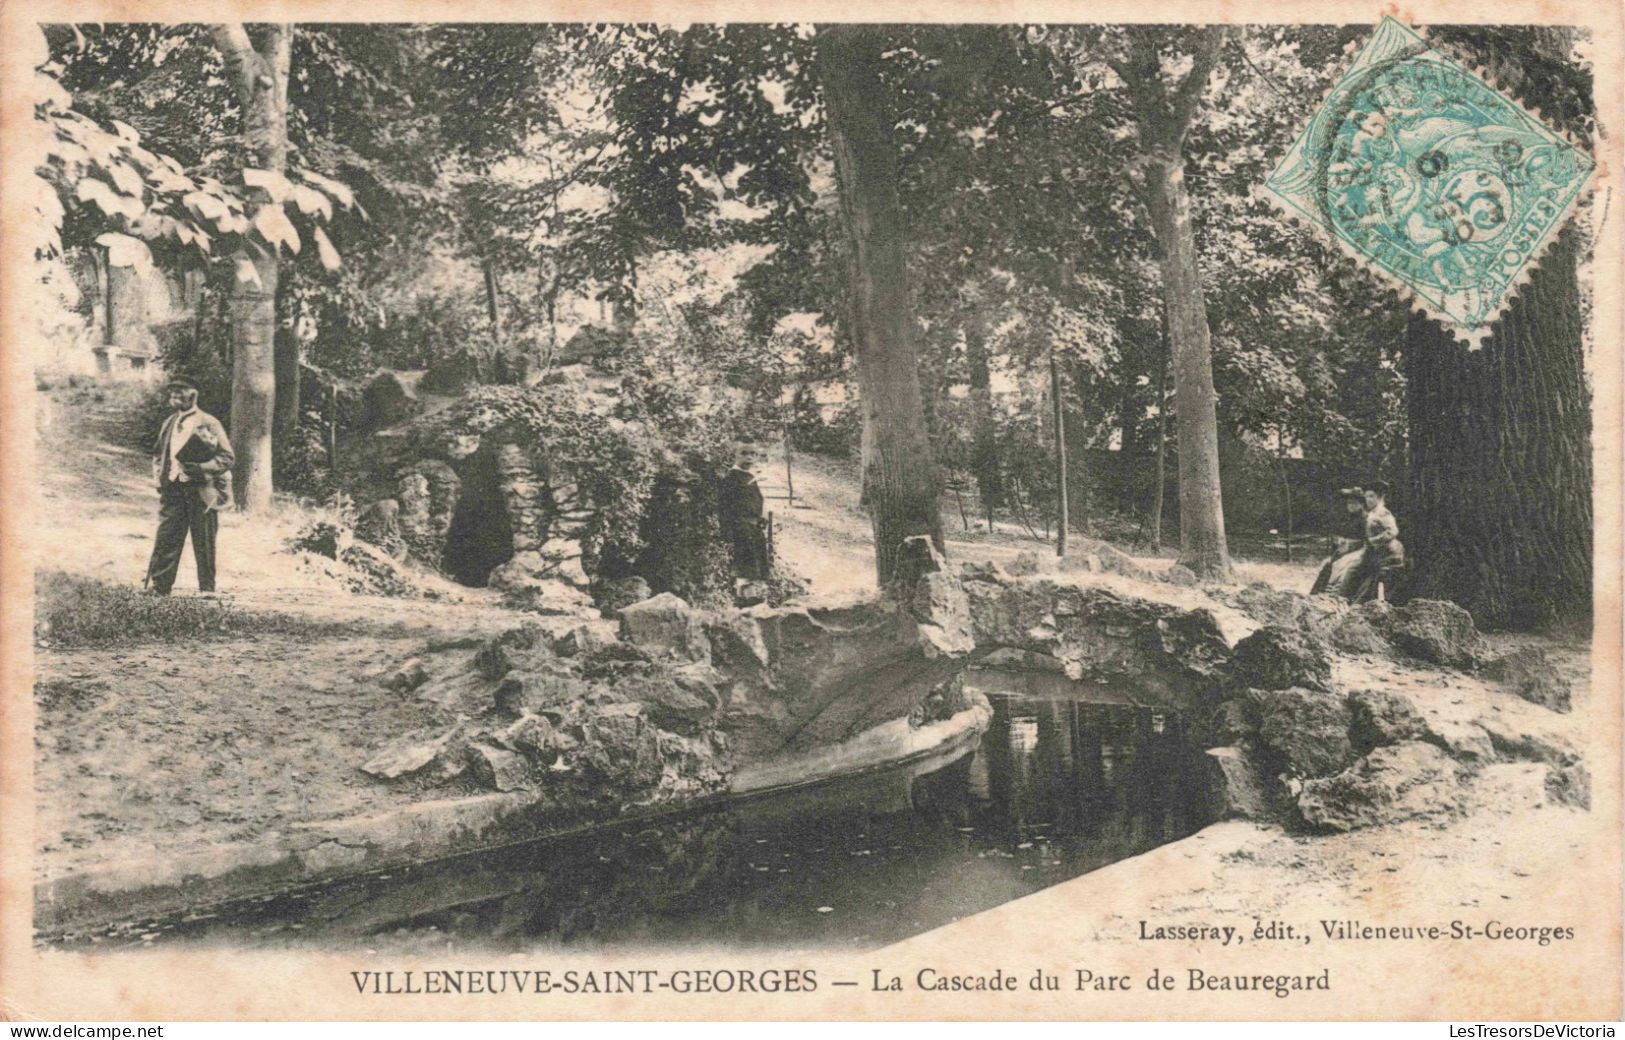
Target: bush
[73,611]
[330,531]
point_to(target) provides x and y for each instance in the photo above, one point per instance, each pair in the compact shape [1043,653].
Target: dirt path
[827,541]
[99,511]
[177,746]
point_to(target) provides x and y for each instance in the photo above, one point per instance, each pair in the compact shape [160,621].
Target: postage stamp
[1435,180]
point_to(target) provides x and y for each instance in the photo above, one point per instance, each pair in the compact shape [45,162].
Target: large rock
[1527,673]
[917,557]
[1379,718]
[1407,781]
[525,497]
[515,648]
[427,493]
[1115,561]
[619,748]
[1181,575]
[532,580]
[498,768]
[1272,606]
[415,755]
[681,703]
[1305,732]
[614,594]
[388,399]
[990,571]
[1231,787]
[1356,630]
[942,611]
[408,676]
[1276,658]
[666,624]
[1232,722]
[1436,631]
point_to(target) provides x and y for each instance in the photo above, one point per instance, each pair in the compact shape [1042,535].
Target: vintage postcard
[811,511]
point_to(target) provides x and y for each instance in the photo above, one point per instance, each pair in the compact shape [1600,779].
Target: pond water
[1056,787]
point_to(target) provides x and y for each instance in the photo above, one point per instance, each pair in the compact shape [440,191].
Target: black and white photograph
[834,518]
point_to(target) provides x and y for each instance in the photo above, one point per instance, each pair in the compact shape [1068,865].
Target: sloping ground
[176,745]
[99,509]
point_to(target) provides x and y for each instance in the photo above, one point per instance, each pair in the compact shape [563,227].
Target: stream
[1058,786]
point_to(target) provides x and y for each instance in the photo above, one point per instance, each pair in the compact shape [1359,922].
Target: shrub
[330,531]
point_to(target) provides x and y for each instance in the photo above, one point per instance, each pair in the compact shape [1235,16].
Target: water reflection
[1057,787]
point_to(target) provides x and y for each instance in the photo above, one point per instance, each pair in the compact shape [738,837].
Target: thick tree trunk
[1497,514]
[261,80]
[899,477]
[1201,509]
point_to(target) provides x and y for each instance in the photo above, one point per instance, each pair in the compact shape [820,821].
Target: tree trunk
[1162,448]
[1497,514]
[489,267]
[287,397]
[1202,545]
[261,80]
[984,442]
[1062,512]
[900,478]
[1130,411]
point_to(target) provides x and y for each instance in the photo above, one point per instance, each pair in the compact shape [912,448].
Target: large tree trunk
[1164,117]
[261,80]
[899,476]
[1202,545]
[1497,515]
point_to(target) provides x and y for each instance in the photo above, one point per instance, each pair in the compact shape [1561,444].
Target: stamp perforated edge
[1473,337]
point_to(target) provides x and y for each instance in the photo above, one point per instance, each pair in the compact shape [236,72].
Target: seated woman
[1336,573]
[1384,555]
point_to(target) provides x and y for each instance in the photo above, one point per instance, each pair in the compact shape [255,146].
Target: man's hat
[181,383]
[1353,492]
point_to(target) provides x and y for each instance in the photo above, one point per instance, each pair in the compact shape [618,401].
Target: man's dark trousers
[181,509]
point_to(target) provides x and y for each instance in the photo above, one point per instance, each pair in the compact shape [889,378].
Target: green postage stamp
[1444,186]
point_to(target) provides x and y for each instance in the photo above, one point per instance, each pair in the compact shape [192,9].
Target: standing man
[192,463]
[739,514]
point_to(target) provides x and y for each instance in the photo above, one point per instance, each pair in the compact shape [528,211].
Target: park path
[98,511]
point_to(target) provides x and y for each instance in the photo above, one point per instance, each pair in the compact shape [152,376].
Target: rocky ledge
[665,705]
